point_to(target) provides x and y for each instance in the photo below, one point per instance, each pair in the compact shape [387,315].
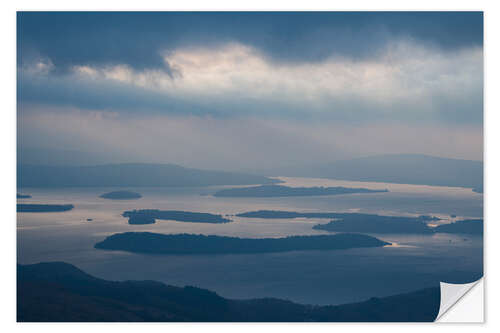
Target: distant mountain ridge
[46,156]
[130,175]
[397,168]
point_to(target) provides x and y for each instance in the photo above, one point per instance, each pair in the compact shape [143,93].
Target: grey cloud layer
[407,83]
[138,39]
[279,89]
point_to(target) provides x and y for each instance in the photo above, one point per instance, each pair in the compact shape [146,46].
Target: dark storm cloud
[137,39]
[69,90]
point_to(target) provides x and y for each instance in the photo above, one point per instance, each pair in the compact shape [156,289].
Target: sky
[250,90]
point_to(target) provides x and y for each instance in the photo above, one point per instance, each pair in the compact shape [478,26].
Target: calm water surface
[315,277]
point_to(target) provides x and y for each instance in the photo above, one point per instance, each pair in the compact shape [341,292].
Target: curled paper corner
[461,302]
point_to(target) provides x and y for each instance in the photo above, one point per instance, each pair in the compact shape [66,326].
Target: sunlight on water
[316,277]
[399,245]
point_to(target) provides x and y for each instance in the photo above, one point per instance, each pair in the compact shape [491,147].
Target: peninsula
[394,168]
[281,214]
[286,191]
[146,242]
[462,227]
[377,224]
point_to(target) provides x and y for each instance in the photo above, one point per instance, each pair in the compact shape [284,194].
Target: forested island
[85,298]
[149,216]
[354,222]
[372,223]
[281,214]
[147,242]
[286,191]
[23,196]
[121,195]
[462,227]
[42,208]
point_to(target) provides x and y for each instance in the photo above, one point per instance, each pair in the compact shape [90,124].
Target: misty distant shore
[131,175]
[414,169]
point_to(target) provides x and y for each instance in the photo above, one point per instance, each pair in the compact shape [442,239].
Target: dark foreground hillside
[57,291]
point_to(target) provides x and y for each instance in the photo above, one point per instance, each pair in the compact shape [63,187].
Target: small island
[42,208]
[268,191]
[280,214]
[147,242]
[121,195]
[149,216]
[23,196]
[474,227]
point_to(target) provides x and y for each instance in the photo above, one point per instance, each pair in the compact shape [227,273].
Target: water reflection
[322,277]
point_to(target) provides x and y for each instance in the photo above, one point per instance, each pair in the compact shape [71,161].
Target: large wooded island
[147,242]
